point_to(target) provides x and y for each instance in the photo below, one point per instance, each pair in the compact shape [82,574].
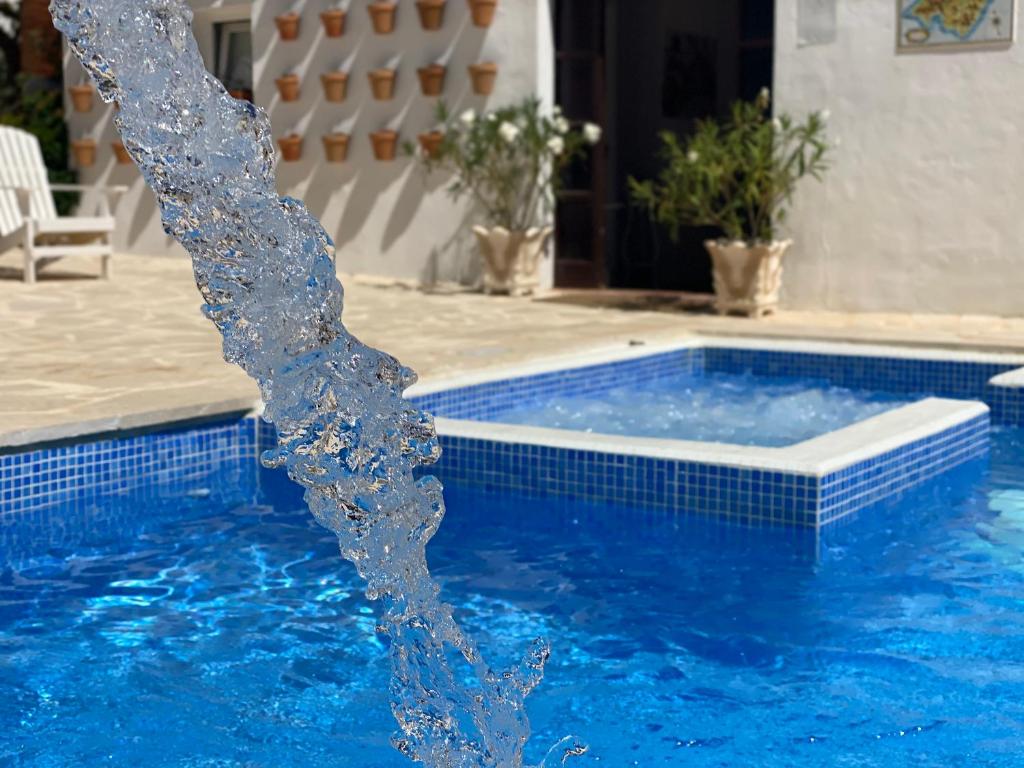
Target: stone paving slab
[81,355]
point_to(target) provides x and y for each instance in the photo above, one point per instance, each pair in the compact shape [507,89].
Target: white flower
[556,144]
[693,156]
[591,133]
[508,132]
[777,125]
[556,110]
[825,115]
[561,125]
[491,117]
[765,95]
[468,117]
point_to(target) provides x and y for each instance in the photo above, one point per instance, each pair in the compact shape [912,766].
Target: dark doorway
[640,67]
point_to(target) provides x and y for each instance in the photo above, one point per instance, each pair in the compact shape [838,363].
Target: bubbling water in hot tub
[264,267]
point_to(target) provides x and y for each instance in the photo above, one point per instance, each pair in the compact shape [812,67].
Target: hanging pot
[483,76]
[431,143]
[385,143]
[382,14]
[291,147]
[335,85]
[336,147]
[81,97]
[334,22]
[288,25]
[84,152]
[431,14]
[432,79]
[482,12]
[288,87]
[382,83]
[123,158]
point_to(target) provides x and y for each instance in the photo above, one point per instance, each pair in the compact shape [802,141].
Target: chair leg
[30,267]
[107,267]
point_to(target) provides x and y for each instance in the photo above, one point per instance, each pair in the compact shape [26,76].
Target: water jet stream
[264,267]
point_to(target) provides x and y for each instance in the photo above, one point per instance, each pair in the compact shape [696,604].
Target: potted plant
[382,14]
[291,147]
[483,76]
[336,146]
[430,143]
[333,20]
[738,175]
[431,14]
[123,158]
[335,85]
[509,162]
[382,83]
[432,79]
[288,87]
[84,151]
[385,142]
[482,11]
[81,97]
[288,25]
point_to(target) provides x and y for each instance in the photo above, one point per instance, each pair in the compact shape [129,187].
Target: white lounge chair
[28,217]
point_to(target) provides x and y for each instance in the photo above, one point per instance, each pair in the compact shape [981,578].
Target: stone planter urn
[511,259]
[483,76]
[382,14]
[334,22]
[382,83]
[84,152]
[431,79]
[431,14]
[81,97]
[291,147]
[431,143]
[482,12]
[747,277]
[288,25]
[288,87]
[335,85]
[123,158]
[384,144]
[336,147]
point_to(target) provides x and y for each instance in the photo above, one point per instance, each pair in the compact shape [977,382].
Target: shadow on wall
[369,206]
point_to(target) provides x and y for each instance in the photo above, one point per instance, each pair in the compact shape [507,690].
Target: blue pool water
[720,407]
[219,629]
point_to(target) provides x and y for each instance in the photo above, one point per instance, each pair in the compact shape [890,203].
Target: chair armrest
[116,189]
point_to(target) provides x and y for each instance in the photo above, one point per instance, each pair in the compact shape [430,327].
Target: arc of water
[263,266]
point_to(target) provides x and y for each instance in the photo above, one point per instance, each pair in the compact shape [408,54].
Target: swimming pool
[214,625]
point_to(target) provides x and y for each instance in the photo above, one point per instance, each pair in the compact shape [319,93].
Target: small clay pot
[336,147]
[84,152]
[431,14]
[382,13]
[384,144]
[334,22]
[482,12]
[123,158]
[431,79]
[288,25]
[431,143]
[483,76]
[288,87]
[81,97]
[291,147]
[382,83]
[335,85]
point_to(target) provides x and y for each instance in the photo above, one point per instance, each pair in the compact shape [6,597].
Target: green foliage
[738,175]
[509,160]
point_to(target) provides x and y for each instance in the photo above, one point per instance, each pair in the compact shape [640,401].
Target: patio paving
[82,355]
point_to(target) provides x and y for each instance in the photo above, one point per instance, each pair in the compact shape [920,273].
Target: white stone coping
[815,457]
[1009,380]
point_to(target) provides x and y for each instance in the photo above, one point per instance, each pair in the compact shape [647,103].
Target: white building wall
[386,218]
[923,209]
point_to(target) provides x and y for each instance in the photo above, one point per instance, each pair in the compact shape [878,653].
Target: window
[233,56]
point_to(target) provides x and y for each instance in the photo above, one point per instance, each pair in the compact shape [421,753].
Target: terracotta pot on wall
[335,85]
[288,87]
[431,14]
[291,147]
[336,147]
[382,83]
[84,152]
[431,79]
[288,25]
[384,144]
[334,22]
[431,143]
[383,16]
[123,158]
[483,12]
[81,97]
[483,76]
